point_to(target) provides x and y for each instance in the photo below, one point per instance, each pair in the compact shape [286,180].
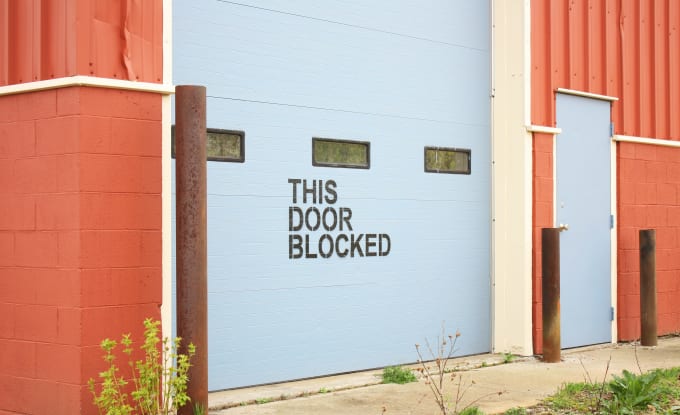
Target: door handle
[564,227]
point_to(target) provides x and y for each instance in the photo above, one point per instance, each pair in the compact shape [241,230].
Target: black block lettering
[294,211]
[329,211]
[326,237]
[330,190]
[356,245]
[294,246]
[384,237]
[307,253]
[294,182]
[341,253]
[317,222]
[370,243]
[308,191]
[345,216]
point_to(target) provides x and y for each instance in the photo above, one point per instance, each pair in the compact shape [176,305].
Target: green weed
[159,380]
[656,391]
[508,357]
[199,409]
[398,374]
[471,410]
[578,397]
[631,392]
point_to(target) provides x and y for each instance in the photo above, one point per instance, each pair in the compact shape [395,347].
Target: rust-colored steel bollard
[191,237]
[550,240]
[648,327]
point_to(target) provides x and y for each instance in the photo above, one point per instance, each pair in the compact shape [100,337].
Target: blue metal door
[399,75]
[584,206]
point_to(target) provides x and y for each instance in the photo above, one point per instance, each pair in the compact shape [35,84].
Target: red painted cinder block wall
[543,185]
[648,188]
[80,194]
[80,238]
[626,49]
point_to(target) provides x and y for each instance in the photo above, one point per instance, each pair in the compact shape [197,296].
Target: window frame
[451,149]
[367,145]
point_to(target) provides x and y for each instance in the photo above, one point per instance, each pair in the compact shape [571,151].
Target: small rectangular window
[447,160]
[330,152]
[226,145]
[221,145]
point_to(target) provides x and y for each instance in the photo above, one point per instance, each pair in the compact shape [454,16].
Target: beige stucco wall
[512,184]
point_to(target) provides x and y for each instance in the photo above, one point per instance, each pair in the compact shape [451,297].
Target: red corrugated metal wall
[629,49]
[44,39]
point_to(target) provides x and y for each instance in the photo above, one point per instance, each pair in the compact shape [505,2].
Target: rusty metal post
[648,287]
[550,241]
[191,237]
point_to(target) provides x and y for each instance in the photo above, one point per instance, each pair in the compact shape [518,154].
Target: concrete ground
[497,386]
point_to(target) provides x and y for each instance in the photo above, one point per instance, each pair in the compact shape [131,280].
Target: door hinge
[611,313]
[611,221]
[611,129]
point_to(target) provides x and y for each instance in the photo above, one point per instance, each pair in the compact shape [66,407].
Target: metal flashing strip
[91,81]
[586,94]
[543,129]
[645,140]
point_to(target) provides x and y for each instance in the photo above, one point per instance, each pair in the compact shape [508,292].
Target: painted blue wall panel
[395,73]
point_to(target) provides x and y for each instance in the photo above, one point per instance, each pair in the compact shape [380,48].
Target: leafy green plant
[324,390]
[516,411]
[158,382]
[657,391]
[261,401]
[471,410]
[398,374]
[631,391]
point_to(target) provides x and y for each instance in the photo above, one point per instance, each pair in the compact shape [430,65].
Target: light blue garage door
[315,270]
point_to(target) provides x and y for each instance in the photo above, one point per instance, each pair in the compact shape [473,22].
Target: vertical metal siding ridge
[540,79]
[18,47]
[674,68]
[646,73]
[37,41]
[578,45]
[560,65]
[4,46]
[612,52]
[71,37]
[629,57]
[661,60]
[597,74]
